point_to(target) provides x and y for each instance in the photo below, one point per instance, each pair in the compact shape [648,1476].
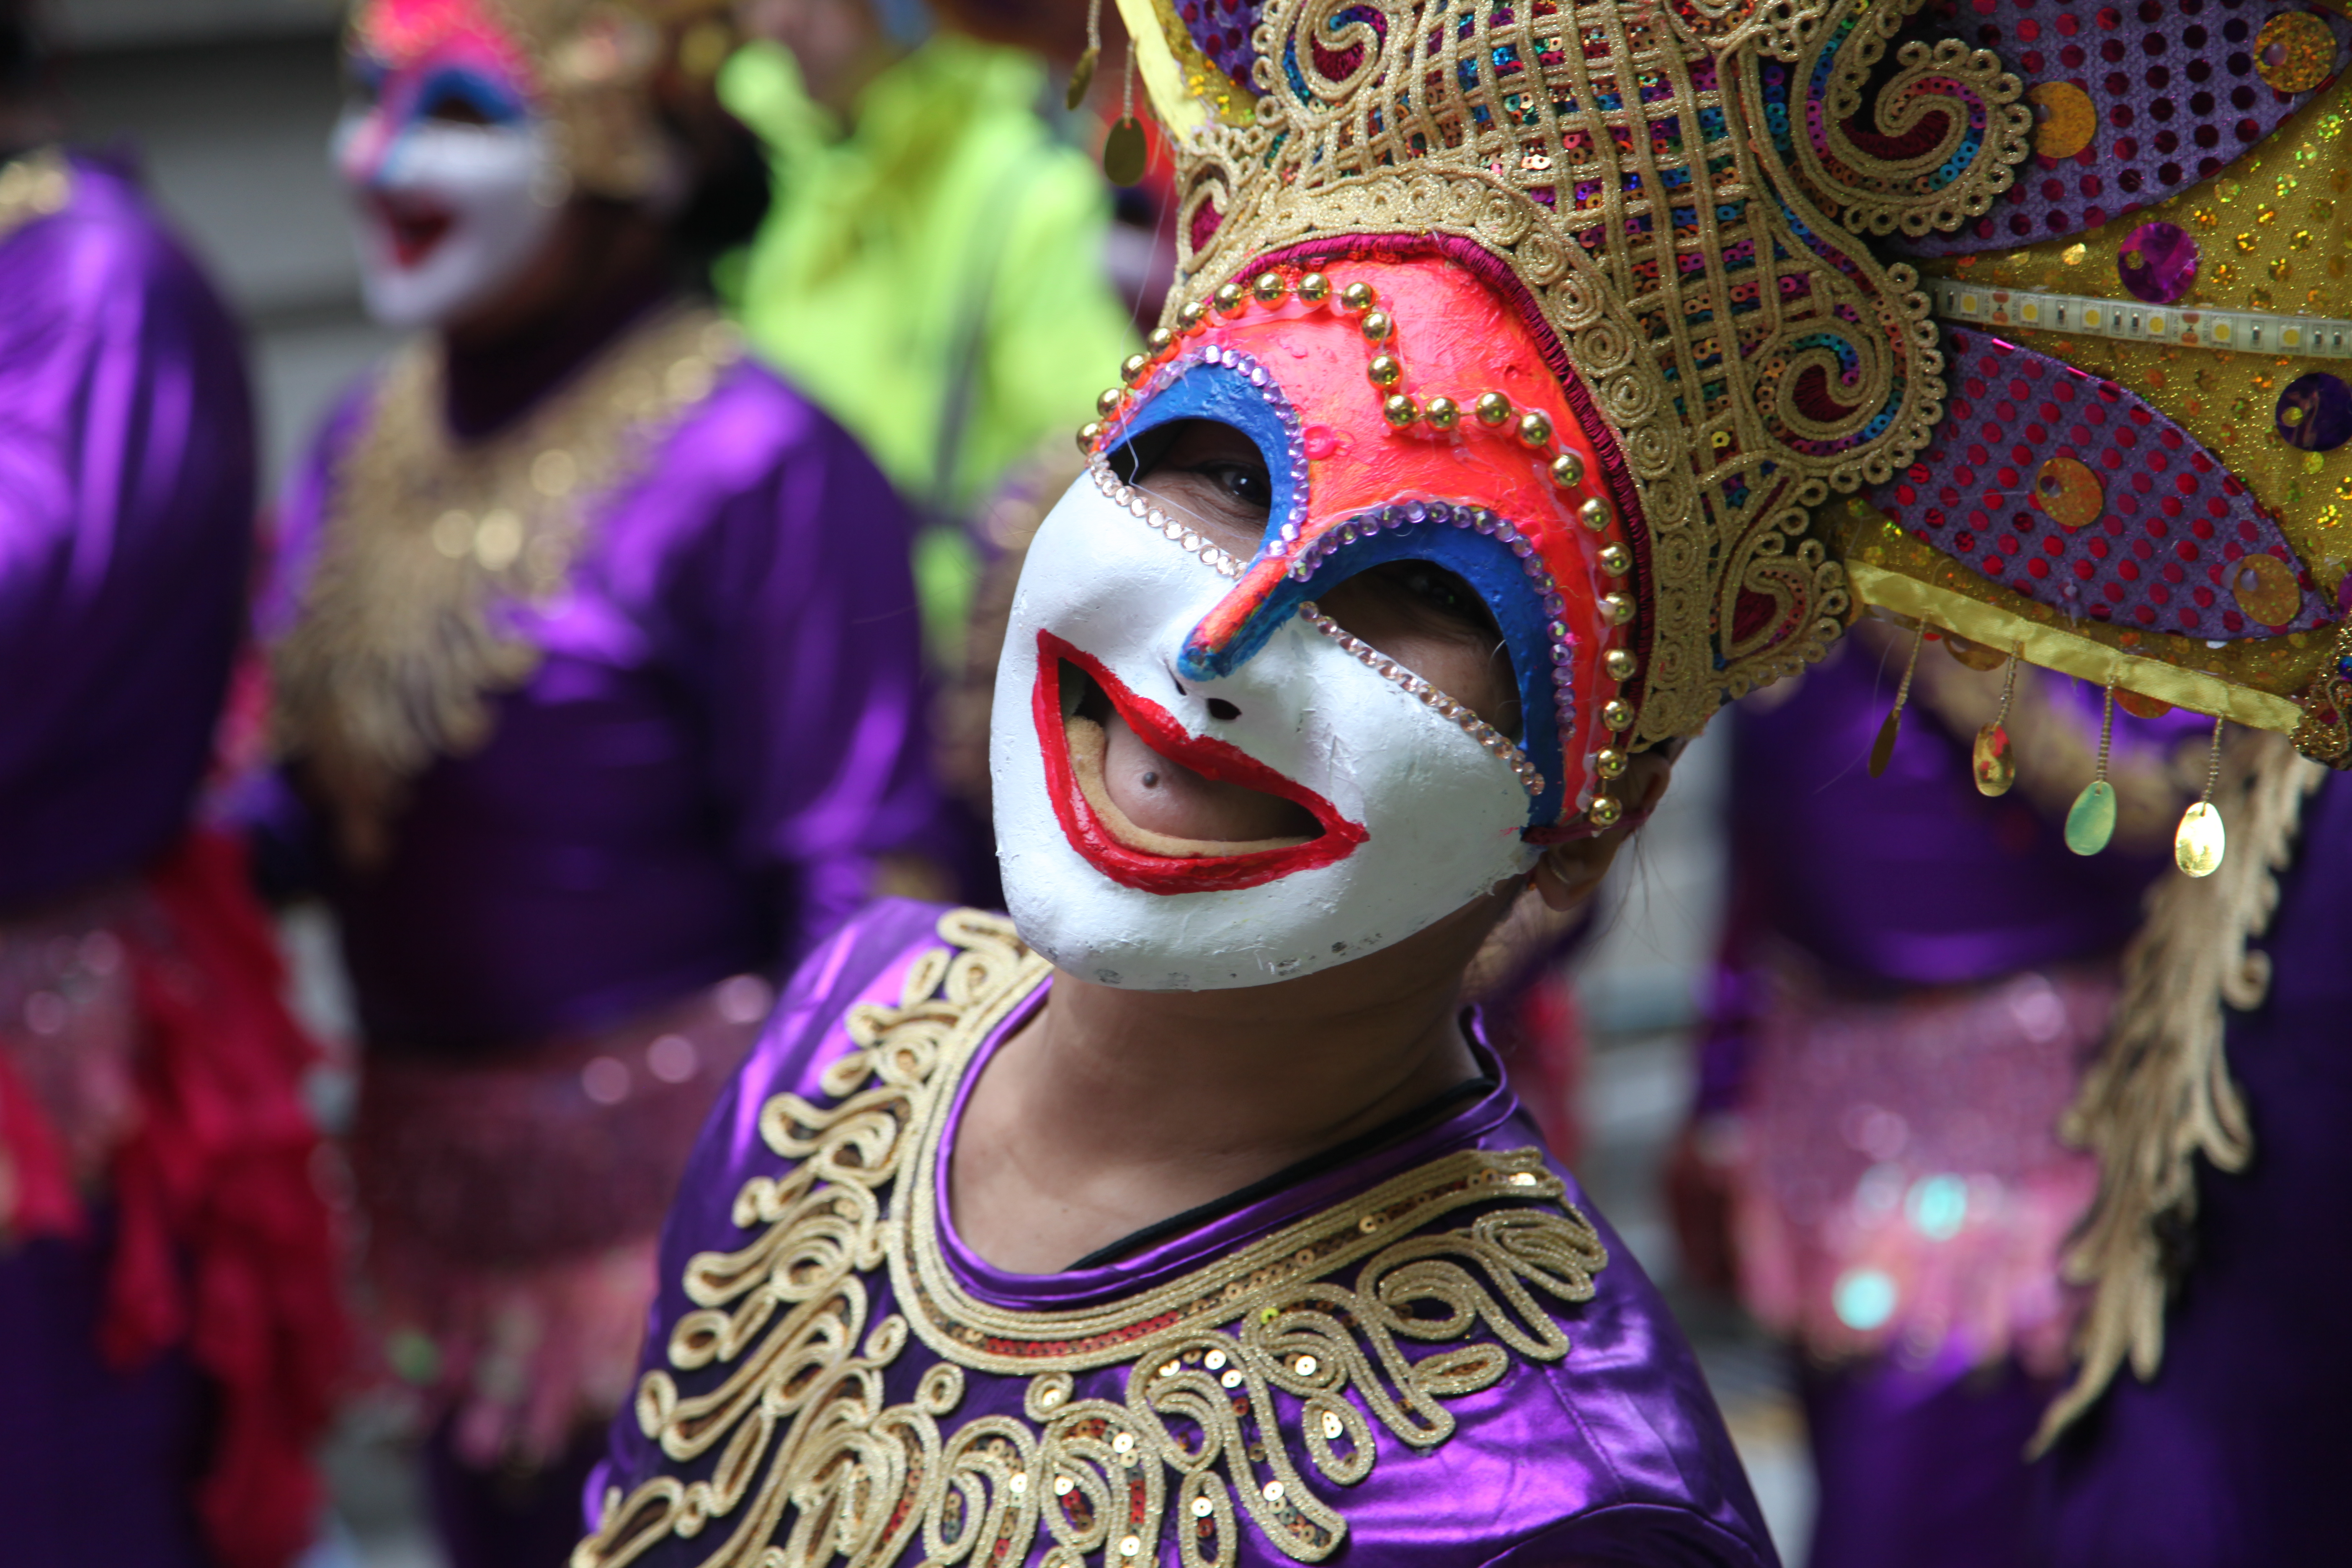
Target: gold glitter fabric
[2221,312]
[1680,195]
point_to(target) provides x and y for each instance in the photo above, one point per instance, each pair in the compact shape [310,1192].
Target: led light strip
[2251,332]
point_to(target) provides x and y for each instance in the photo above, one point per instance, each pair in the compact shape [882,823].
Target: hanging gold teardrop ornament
[2199,842]
[1082,77]
[1995,768]
[1882,750]
[1124,152]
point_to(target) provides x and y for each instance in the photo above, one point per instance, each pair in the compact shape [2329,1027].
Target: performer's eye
[1440,593]
[1210,474]
[1247,484]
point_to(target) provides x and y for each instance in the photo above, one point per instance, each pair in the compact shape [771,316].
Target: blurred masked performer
[1473,470]
[1916,977]
[596,657]
[168,1322]
[933,269]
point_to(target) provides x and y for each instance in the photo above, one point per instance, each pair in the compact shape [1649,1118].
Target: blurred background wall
[226,105]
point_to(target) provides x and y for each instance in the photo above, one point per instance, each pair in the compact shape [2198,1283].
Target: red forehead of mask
[408,34]
[1454,337]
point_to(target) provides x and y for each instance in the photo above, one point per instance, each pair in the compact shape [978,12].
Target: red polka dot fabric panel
[2077,494]
[2135,101]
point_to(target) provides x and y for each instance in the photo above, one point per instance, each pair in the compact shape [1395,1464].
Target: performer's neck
[1113,1110]
[501,362]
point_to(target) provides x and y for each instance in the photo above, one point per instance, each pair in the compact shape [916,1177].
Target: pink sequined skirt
[1898,1183]
[513,1209]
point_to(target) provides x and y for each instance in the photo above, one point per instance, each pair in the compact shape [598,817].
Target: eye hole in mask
[1416,612]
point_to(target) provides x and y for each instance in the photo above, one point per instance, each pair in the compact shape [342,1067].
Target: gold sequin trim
[399,643]
[33,187]
[812,1464]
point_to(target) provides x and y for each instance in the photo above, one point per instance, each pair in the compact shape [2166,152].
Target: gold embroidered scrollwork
[403,634]
[808,1465]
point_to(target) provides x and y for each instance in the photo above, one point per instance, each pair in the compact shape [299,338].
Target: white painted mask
[1129,633]
[456,179]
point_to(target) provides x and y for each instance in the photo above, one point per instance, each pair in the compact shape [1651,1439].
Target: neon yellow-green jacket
[947,250]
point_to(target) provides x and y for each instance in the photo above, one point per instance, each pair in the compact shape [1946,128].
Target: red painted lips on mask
[1142,860]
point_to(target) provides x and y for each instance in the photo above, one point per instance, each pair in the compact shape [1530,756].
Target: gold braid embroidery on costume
[403,631]
[1694,255]
[33,185]
[2160,1094]
[812,1465]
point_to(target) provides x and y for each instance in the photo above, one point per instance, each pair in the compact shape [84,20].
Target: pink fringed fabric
[1900,1186]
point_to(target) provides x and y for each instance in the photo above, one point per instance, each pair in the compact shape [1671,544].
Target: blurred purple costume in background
[571,937]
[1604,1450]
[169,1325]
[1915,976]
[126,526]
[2231,1456]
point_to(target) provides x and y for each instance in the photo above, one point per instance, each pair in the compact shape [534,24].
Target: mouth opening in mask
[1156,808]
[415,227]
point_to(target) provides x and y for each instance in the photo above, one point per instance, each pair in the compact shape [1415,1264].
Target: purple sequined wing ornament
[2133,103]
[2075,494]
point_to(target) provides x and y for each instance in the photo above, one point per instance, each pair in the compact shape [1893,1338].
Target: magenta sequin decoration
[2172,84]
[2315,411]
[2173,518]
[2157,262]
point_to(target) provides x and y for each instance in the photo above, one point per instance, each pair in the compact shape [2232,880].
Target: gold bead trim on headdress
[1633,173]
[1437,414]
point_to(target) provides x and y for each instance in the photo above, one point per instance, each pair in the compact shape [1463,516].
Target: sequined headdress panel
[1675,198]
[2143,476]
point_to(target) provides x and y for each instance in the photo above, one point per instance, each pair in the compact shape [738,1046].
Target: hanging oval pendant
[1081,78]
[2092,820]
[1882,750]
[2199,842]
[1124,151]
[1996,770]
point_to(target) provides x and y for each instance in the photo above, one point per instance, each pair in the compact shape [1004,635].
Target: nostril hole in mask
[1221,708]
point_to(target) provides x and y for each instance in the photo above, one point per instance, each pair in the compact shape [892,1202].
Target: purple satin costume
[2231,1456]
[723,734]
[1614,1454]
[126,521]
[1896,886]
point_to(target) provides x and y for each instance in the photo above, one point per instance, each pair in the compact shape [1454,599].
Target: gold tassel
[2200,843]
[1082,76]
[1995,768]
[1882,750]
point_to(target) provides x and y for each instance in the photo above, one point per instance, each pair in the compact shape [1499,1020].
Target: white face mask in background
[447,216]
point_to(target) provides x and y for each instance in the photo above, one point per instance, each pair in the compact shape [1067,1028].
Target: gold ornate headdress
[1675,195]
